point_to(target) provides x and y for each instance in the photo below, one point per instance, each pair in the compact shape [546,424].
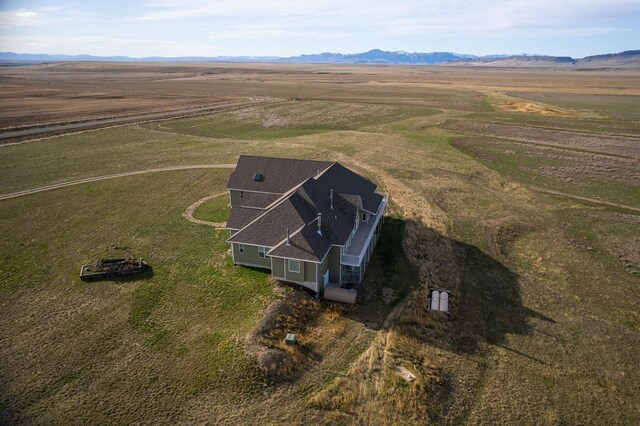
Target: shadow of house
[446,352]
[410,260]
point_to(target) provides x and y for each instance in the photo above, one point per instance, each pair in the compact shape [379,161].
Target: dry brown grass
[72,91]
[297,313]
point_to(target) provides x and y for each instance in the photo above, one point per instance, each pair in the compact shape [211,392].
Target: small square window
[262,252]
[241,248]
[294,265]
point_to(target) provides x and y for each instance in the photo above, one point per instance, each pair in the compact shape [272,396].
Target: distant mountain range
[628,59]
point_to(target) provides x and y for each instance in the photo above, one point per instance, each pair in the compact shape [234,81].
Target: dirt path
[188,213]
[115,175]
[48,130]
[590,200]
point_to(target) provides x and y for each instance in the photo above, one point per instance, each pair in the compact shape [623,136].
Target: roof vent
[258,177]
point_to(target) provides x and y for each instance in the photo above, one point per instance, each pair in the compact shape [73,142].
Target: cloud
[105,46]
[18,17]
[288,27]
[487,15]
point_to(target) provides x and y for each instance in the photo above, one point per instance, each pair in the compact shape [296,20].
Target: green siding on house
[249,257]
[277,267]
[295,276]
[234,196]
[310,272]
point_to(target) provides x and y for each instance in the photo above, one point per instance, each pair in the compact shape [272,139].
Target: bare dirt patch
[317,113]
[295,313]
[505,103]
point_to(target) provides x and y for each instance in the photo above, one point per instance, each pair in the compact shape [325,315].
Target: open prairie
[519,190]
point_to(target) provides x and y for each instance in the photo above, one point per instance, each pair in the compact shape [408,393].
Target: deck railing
[353,260]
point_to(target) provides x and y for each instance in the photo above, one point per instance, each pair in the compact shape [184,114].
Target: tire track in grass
[188,213]
[112,176]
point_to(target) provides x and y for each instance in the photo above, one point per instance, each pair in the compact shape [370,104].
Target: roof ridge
[327,168]
[272,206]
[286,158]
[290,235]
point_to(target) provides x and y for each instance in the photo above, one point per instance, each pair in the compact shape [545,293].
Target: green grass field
[177,326]
[544,321]
[216,210]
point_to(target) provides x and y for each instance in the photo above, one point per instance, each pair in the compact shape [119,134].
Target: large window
[294,265]
[241,248]
[262,252]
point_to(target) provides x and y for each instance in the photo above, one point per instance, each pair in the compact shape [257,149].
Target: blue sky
[574,28]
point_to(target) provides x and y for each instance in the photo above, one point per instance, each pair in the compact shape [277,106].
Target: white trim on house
[308,284]
[322,172]
[286,194]
[365,248]
[249,190]
[253,265]
[249,207]
[295,233]
[247,244]
[271,206]
[285,238]
[295,258]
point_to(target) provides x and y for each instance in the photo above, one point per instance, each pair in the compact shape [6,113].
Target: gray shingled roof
[299,210]
[240,217]
[271,228]
[257,199]
[348,182]
[341,218]
[305,245]
[279,175]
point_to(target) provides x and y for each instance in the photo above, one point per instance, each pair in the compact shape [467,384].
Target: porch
[363,240]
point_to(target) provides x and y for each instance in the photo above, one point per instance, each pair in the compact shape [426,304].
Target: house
[313,223]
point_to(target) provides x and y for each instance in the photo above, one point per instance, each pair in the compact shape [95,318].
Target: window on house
[293,265]
[241,248]
[262,252]
[364,217]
